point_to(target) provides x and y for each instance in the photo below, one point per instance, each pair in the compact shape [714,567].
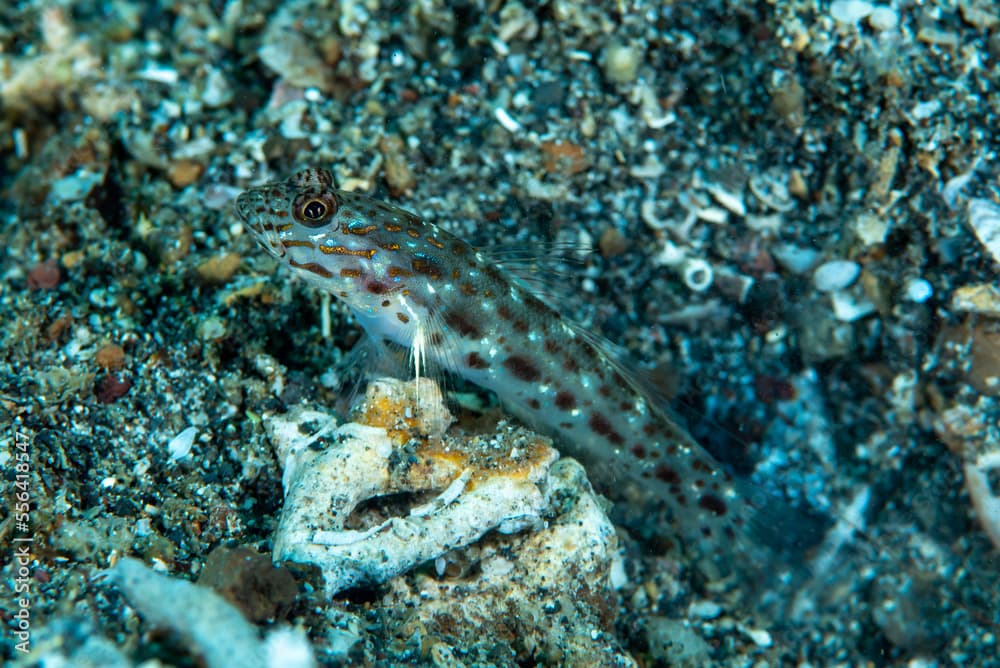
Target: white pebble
[918,290]
[795,259]
[705,609]
[850,11]
[836,275]
[883,18]
[760,637]
[621,62]
[181,444]
[923,110]
[848,308]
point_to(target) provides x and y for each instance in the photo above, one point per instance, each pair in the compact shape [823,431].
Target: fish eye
[314,210]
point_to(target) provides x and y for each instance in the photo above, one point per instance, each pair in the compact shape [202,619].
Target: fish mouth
[257,216]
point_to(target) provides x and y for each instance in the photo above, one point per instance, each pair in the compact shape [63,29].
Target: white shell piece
[848,308]
[506,120]
[697,274]
[984,219]
[836,275]
[181,444]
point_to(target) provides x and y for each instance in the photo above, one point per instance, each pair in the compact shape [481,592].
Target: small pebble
[919,290]
[612,242]
[848,308]
[111,387]
[44,276]
[760,637]
[183,173]
[212,328]
[110,358]
[219,269]
[883,19]
[982,298]
[850,11]
[835,275]
[249,581]
[705,609]
[795,259]
[564,157]
[621,63]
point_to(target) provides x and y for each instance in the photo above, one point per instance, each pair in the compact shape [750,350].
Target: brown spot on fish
[521,326]
[474,361]
[403,318]
[504,312]
[344,250]
[534,403]
[458,248]
[377,288]
[392,227]
[413,232]
[522,368]
[712,504]
[350,273]
[493,273]
[602,427]
[292,243]
[398,272]
[551,346]
[315,268]
[462,325]
[434,242]
[389,246]
[467,289]
[638,450]
[604,391]
[565,400]
[385,303]
[570,364]
[667,474]
[427,266]
[536,305]
[361,230]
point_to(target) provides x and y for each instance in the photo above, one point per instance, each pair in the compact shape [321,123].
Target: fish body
[413,283]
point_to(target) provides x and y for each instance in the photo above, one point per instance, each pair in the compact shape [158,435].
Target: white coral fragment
[202,618]
[478,487]
[984,500]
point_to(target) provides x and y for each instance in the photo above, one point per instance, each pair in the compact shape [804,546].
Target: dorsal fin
[543,269]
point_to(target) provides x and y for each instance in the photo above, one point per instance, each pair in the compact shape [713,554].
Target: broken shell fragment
[984,219]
